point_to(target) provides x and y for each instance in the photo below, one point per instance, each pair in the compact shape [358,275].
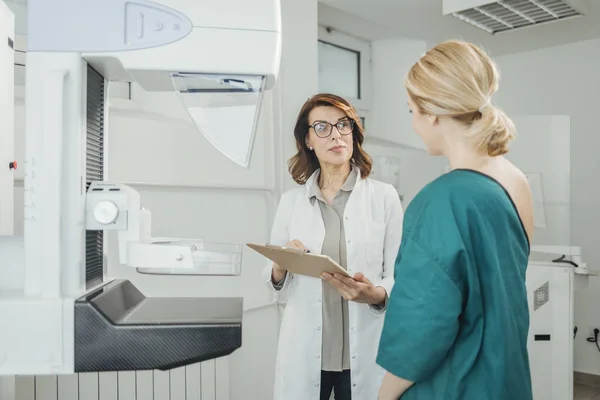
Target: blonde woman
[457,318]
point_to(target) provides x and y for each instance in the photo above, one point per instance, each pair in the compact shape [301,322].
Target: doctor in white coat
[331,327]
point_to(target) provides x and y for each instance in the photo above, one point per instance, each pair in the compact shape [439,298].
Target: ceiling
[424,20]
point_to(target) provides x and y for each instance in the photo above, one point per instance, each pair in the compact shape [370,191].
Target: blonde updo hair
[457,79]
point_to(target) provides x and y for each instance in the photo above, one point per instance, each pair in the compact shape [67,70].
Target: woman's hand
[358,289]
[278,273]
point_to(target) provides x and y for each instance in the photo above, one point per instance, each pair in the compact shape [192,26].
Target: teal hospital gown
[457,318]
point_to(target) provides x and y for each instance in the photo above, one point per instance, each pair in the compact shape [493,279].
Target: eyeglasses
[323,129]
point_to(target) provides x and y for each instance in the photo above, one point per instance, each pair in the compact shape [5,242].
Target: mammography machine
[58,314]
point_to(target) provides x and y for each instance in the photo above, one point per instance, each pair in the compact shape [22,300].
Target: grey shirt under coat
[336,344]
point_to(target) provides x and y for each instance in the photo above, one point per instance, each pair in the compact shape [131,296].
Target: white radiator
[205,381]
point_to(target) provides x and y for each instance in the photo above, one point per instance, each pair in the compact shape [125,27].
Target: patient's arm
[393,387]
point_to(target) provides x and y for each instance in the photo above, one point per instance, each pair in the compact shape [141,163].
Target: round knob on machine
[106,212]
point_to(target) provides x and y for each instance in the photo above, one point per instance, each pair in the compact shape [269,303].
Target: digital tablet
[298,261]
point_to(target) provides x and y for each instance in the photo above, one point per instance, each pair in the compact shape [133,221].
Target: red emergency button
[12,165]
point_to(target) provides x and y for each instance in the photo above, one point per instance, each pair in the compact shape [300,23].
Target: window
[345,68]
[339,70]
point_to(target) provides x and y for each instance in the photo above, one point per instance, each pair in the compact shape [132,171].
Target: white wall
[298,74]
[392,59]
[543,147]
[407,182]
[565,80]
[390,132]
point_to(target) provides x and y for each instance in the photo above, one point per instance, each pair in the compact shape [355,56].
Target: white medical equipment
[550,279]
[7,162]
[58,314]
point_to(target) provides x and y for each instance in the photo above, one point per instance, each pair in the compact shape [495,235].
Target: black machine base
[117,328]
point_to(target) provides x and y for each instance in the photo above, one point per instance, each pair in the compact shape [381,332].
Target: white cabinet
[390,120]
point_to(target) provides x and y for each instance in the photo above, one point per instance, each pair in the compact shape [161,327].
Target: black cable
[595,338]
[562,259]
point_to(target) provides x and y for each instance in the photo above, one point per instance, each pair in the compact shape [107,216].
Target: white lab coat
[373,228]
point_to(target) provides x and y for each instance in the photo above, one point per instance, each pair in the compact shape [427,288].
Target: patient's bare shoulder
[516,184]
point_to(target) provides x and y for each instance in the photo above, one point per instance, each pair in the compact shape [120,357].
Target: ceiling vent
[508,15]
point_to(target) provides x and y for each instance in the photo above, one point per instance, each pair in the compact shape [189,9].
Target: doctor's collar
[312,188]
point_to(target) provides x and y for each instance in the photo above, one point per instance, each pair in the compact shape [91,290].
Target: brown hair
[302,165]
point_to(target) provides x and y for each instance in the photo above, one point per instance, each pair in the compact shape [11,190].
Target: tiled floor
[583,392]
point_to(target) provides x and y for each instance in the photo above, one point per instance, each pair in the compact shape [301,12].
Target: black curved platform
[117,328]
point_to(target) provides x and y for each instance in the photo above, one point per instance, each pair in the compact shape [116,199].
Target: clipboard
[299,262]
